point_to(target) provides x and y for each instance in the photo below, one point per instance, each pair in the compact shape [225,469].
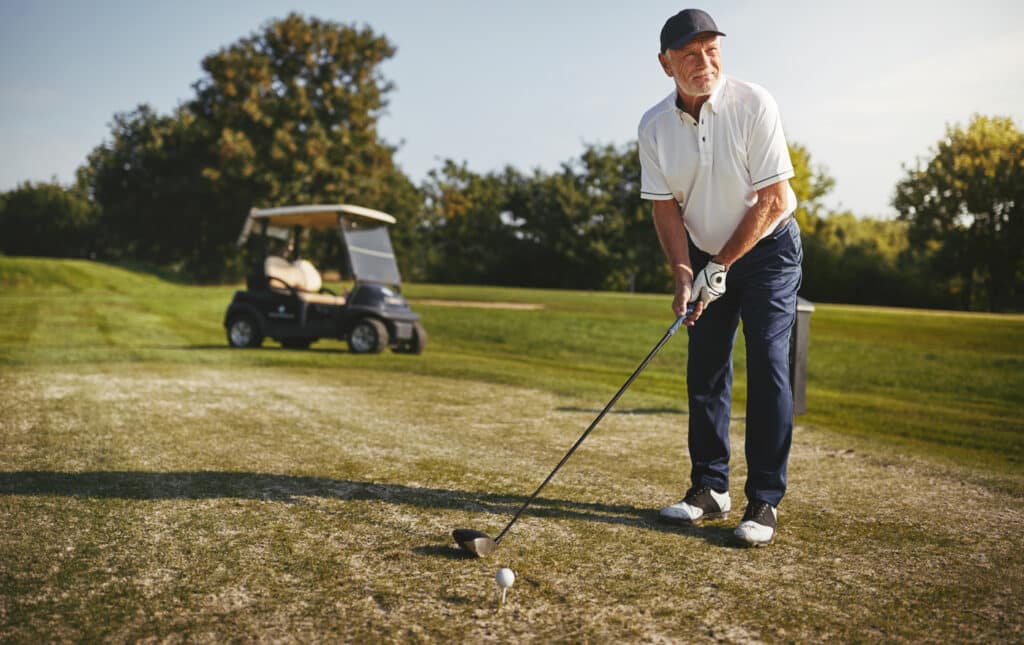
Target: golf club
[479,543]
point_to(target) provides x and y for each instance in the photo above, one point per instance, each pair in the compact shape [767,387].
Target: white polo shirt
[715,167]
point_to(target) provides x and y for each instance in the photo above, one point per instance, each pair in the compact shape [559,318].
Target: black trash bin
[798,343]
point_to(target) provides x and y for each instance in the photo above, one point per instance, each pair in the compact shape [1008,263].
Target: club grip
[679,321]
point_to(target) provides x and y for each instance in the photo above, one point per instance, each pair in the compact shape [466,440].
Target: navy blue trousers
[761,290]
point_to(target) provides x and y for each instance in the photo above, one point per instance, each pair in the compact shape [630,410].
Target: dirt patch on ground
[478,304]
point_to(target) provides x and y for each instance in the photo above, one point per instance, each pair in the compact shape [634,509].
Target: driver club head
[475,542]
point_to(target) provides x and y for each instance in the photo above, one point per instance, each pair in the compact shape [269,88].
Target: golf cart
[285,299]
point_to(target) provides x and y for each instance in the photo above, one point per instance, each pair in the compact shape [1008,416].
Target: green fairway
[156,484]
[941,383]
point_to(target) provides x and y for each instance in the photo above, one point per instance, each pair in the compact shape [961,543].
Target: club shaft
[664,339]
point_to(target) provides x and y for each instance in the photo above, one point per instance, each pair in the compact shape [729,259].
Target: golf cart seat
[301,277]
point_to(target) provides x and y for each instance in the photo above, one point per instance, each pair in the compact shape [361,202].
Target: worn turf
[156,486]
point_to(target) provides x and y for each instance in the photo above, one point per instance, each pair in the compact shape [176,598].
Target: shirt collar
[714,100]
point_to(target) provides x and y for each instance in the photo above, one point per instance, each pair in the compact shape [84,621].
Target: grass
[156,485]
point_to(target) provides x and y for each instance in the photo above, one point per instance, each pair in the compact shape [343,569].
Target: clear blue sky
[866,86]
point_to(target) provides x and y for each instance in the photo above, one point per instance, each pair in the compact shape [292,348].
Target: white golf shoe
[699,504]
[757,528]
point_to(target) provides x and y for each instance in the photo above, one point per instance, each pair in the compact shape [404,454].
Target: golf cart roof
[317,216]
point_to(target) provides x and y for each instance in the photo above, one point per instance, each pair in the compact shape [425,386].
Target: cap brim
[682,41]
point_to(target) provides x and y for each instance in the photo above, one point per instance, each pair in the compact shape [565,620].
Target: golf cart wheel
[243,331]
[416,344]
[297,343]
[368,336]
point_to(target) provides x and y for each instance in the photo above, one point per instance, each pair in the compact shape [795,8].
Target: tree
[287,115]
[626,244]
[155,204]
[47,219]
[291,113]
[581,227]
[590,227]
[471,238]
[810,183]
[963,207]
[851,259]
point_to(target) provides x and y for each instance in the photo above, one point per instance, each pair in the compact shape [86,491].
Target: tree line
[288,115]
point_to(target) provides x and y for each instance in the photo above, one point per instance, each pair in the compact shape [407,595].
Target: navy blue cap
[684,27]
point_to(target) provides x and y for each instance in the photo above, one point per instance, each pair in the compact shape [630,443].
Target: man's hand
[709,285]
[682,297]
[681,304]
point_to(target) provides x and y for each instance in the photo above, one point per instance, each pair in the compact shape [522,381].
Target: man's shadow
[291,489]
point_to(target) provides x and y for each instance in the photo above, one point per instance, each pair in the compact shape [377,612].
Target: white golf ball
[505,578]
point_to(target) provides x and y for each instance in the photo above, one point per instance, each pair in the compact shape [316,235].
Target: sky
[867,87]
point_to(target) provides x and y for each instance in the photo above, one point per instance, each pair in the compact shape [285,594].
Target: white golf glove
[709,285]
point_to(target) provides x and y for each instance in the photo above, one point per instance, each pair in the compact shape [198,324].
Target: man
[716,166]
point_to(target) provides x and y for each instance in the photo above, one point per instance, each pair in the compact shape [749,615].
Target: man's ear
[663,59]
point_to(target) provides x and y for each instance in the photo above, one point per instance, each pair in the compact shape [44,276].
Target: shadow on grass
[716,534]
[264,348]
[444,551]
[682,412]
[291,489]
[624,410]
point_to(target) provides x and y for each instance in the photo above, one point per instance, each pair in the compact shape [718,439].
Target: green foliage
[586,227]
[291,113]
[850,259]
[810,184]
[155,206]
[467,229]
[865,261]
[583,226]
[287,115]
[591,217]
[963,207]
[46,219]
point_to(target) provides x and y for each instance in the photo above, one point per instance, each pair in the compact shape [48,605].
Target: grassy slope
[154,483]
[946,384]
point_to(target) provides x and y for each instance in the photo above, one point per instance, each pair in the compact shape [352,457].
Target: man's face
[696,67]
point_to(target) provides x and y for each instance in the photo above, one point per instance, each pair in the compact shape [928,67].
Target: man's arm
[771,202]
[668,222]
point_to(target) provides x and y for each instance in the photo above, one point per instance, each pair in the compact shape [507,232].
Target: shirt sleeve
[652,181]
[767,152]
